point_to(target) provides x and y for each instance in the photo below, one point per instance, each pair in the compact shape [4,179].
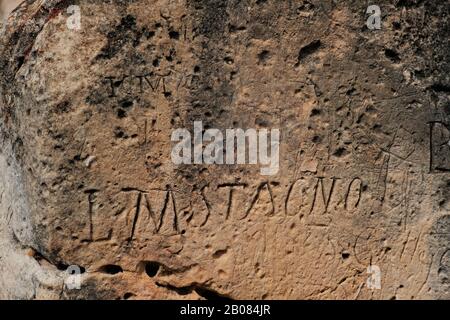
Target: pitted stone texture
[87,117]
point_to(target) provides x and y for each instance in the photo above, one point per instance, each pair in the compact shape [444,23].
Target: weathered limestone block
[87,179]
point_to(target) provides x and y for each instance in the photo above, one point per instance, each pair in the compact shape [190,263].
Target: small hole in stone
[210,294]
[128,295]
[228,60]
[397,25]
[151,269]
[174,35]
[111,269]
[126,104]
[61,266]
[345,255]
[263,56]
[121,113]
[73,268]
[392,55]
[340,152]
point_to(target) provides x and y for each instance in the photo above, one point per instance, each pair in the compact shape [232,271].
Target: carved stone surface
[86,176]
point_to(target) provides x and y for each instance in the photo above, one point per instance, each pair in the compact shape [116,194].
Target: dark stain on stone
[392,55]
[209,96]
[125,32]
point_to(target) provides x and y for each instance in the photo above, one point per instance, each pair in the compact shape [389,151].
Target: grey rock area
[87,180]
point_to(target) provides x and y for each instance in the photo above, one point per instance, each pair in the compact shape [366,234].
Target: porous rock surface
[86,177]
